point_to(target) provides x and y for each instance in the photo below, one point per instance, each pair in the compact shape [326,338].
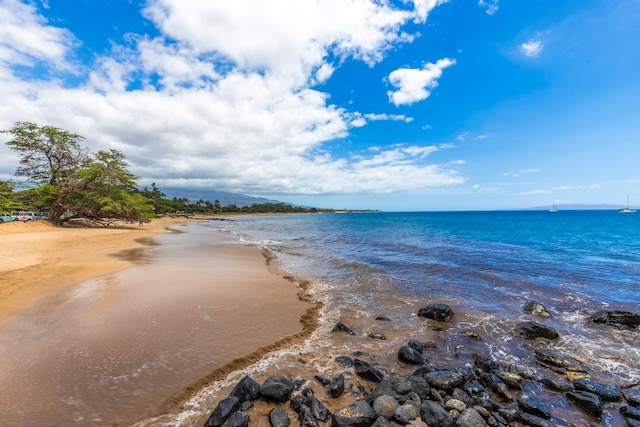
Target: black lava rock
[223,411]
[336,387]
[537,309]
[590,402]
[435,415]
[536,330]
[345,361]
[533,407]
[402,388]
[605,391]
[441,312]
[632,395]
[367,371]
[247,389]
[444,380]
[410,355]
[278,418]
[236,420]
[277,389]
[341,327]
[358,414]
[616,318]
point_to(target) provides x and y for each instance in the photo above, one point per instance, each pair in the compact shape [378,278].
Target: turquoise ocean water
[486,265]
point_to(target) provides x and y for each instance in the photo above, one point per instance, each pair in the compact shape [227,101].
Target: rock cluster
[485,393]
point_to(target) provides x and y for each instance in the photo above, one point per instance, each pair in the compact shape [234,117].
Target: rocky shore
[487,392]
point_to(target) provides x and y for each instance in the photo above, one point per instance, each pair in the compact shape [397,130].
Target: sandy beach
[84,340]
[37,258]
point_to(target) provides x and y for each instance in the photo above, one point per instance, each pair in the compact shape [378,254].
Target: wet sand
[131,344]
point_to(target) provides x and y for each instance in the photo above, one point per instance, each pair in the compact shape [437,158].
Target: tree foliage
[72,182]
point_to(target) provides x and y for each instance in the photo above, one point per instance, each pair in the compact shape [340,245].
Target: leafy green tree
[74,183]
[8,197]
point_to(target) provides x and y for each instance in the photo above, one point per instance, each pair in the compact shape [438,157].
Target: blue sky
[400,105]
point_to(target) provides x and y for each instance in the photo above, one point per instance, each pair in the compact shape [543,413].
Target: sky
[362,104]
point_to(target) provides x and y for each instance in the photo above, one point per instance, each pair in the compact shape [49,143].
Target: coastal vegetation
[63,178]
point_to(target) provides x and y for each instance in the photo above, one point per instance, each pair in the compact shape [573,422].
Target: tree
[8,198]
[74,183]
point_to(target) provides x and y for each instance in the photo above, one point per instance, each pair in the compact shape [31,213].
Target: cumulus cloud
[213,102]
[491,6]
[532,48]
[415,85]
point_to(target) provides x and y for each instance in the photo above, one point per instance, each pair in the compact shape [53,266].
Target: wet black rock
[236,420]
[277,388]
[383,318]
[533,407]
[441,312]
[632,395]
[402,388]
[470,418]
[552,359]
[435,415]
[341,327]
[605,391]
[537,309]
[382,422]
[533,421]
[306,418]
[318,410]
[385,406]
[345,361]
[630,412]
[590,402]
[616,318]
[414,343]
[556,383]
[410,355]
[377,336]
[536,330]
[367,371]
[247,389]
[336,386]
[278,418]
[223,411]
[632,422]
[495,384]
[358,414]
[444,380]
[322,380]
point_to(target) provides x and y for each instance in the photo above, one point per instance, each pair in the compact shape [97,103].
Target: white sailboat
[627,209]
[553,207]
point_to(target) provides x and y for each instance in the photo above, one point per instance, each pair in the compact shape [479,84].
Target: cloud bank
[226,95]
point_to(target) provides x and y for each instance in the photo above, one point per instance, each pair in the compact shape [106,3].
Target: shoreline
[44,269]
[38,259]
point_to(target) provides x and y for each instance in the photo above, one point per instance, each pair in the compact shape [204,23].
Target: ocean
[485,265]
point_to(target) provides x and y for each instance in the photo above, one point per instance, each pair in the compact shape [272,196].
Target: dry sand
[37,259]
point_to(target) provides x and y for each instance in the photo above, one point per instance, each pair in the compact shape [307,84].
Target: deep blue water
[594,255]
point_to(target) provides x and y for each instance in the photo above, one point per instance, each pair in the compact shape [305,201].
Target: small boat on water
[553,208]
[627,209]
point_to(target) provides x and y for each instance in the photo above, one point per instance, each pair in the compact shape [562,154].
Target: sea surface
[485,265]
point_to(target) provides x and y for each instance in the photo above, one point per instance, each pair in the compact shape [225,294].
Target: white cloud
[213,102]
[491,6]
[414,84]
[521,172]
[532,48]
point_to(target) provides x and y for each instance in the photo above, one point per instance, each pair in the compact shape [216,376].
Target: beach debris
[620,319]
[537,309]
[438,311]
[341,327]
[535,330]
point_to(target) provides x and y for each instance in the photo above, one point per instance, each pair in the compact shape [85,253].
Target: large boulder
[440,311]
[620,319]
[536,330]
[277,389]
[358,414]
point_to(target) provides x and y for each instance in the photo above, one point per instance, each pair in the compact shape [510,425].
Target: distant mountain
[223,197]
[578,207]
